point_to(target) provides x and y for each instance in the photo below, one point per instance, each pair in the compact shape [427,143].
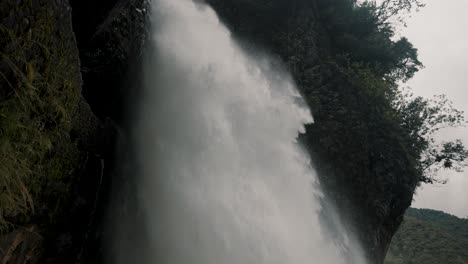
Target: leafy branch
[422,119]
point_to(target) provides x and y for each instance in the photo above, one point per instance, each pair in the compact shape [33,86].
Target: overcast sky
[440,32]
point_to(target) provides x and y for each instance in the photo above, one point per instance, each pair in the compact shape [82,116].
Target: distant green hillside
[430,237]
[453,224]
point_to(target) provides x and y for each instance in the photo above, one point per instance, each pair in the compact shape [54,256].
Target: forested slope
[429,236]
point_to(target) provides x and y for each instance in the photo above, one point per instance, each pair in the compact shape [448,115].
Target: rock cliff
[65,74]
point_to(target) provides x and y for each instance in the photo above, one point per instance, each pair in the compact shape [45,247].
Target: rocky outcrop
[64,80]
[54,151]
[110,46]
[48,134]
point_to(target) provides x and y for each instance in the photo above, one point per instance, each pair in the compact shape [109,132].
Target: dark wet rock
[110,45]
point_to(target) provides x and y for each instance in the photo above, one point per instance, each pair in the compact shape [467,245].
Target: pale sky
[440,32]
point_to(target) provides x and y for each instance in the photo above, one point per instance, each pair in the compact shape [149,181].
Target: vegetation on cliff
[363,37]
[40,90]
[384,145]
[429,236]
[52,146]
[372,142]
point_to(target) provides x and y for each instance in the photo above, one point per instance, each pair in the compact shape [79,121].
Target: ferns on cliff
[40,91]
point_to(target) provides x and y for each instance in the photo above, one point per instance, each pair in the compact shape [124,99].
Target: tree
[390,11]
[364,33]
[405,60]
[448,155]
[422,119]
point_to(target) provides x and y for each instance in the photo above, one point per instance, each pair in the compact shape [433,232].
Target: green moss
[40,91]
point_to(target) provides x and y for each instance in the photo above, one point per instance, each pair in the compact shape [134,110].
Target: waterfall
[221,178]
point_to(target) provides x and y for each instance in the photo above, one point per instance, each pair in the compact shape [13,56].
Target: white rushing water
[222,179]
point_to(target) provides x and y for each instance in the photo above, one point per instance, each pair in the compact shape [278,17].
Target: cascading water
[221,177]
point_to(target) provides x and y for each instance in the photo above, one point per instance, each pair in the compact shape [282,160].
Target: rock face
[64,71]
[40,92]
[53,148]
[110,45]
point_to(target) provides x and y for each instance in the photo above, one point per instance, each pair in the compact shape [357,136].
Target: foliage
[422,119]
[357,31]
[364,33]
[429,236]
[38,98]
[448,155]
[395,10]
[454,225]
